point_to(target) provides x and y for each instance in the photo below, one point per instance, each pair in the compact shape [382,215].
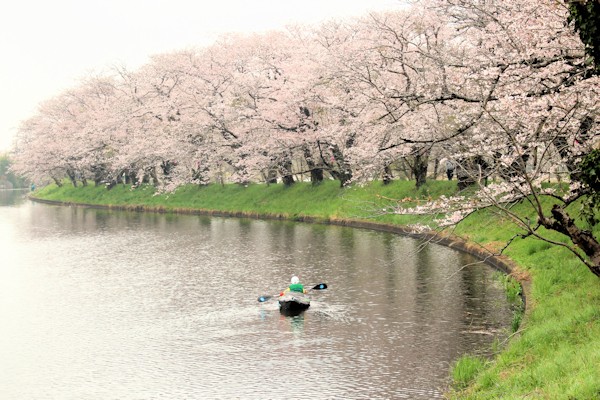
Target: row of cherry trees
[528,96]
[448,79]
[502,89]
[247,108]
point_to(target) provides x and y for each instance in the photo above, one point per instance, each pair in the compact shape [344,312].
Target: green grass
[466,369]
[514,292]
[324,201]
[555,352]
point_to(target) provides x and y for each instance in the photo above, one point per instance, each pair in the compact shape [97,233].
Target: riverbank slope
[556,351]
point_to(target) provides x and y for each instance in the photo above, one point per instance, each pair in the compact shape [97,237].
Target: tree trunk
[472,171]
[72,177]
[584,240]
[420,172]
[316,174]
[152,173]
[271,177]
[288,180]
[99,174]
[343,173]
[419,167]
[287,176]
[387,175]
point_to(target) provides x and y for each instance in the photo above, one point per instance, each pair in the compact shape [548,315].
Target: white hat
[295,280]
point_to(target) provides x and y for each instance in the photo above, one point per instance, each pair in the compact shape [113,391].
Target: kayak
[293,303]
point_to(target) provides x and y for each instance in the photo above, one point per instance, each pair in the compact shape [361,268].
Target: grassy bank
[324,202]
[555,353]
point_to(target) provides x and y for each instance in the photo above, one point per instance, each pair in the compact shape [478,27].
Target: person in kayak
[295,286]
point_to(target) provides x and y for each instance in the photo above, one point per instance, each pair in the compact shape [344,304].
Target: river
[99,304]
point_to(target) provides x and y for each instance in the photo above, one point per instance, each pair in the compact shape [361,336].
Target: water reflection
[102,304]
[11,197]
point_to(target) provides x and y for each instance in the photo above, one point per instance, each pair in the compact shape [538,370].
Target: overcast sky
[47,45]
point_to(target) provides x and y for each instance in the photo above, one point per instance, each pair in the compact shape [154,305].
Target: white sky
[47,45]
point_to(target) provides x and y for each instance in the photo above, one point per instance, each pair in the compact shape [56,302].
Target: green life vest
[296,287]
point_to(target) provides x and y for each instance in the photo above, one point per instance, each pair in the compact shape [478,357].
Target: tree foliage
[7,175]
[585,15]
[590,177]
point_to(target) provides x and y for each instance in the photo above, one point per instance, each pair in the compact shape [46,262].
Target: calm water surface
[113,305]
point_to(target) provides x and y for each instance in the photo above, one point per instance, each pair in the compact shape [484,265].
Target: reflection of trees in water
[430,282]
[389,256]
[484,310]
[424,282]
[12,197]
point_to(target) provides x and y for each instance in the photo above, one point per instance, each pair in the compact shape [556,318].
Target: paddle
[320,286]
[264,298]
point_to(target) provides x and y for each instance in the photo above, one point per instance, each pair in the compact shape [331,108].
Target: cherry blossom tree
[67,136]
[397,76]
[525,74]
[159,129]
